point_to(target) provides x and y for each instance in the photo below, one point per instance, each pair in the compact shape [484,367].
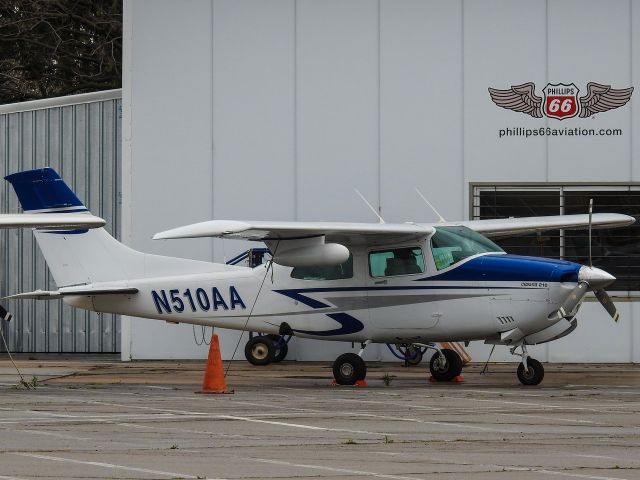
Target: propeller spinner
[589,278]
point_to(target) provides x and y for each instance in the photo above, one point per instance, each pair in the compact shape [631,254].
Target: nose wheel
[532,374]
[530,371]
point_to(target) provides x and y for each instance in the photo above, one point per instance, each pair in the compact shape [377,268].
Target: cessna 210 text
[407,284]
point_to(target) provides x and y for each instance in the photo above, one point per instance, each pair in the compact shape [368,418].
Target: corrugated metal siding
[82,142]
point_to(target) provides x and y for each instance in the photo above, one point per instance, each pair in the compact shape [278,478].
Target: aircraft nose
[595,277]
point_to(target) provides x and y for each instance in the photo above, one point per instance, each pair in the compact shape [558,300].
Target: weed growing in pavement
[387,379]
[27,384]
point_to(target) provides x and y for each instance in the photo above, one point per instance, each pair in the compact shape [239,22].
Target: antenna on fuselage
[590,218]
[370,206]
[440,217]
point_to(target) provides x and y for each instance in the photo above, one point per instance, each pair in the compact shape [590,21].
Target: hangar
[279,109]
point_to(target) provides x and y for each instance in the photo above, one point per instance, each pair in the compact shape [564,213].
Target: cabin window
[332,272]
[450,245]
[397,261]
[615,250]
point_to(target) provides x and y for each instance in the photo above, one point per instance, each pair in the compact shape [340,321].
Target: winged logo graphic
[560,99]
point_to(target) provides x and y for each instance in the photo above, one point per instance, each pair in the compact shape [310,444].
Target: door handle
[380,282]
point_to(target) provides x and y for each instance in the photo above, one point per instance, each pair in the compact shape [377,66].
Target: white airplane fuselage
[479,297]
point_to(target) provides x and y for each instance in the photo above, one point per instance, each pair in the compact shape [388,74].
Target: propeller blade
[577,294]
[604,298]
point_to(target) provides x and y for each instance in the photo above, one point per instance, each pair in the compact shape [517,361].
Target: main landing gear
[411,355]
[349,368]
[266,349]
[530,371]
[445,365]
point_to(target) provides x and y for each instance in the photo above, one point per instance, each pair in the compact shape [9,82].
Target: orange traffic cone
[214,375]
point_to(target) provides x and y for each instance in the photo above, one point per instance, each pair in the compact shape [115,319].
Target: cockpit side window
[397,261]
[450,245]
[332,272]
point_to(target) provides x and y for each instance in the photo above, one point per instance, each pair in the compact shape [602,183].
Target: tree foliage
[50,48]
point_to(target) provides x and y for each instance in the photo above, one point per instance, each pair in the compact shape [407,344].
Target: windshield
[450,245]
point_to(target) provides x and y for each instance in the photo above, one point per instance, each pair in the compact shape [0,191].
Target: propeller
[589,278]
[604,298]
[572,301]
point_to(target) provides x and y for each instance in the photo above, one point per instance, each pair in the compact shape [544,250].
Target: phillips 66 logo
[561,100]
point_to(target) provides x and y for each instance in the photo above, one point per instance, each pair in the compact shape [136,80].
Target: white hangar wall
[278,109]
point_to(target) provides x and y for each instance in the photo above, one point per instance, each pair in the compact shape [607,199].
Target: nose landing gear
[530,371]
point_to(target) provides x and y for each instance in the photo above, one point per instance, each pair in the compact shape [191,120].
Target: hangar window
[615,250]
[398,261]
[332,272]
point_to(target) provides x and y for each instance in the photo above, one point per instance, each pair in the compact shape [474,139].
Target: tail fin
[43,191]
[78,257]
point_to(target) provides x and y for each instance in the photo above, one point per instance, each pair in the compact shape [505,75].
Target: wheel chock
[213,382]
[456,379]
[359,383]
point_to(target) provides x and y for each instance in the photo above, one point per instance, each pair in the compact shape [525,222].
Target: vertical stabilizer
[82,256]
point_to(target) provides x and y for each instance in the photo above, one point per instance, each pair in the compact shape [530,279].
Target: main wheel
[348,369]
[281,348]
[444,371]
[260,350]
[532,376]
[413,355]
[281,353]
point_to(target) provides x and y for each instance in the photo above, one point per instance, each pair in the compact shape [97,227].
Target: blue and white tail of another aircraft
[407,284]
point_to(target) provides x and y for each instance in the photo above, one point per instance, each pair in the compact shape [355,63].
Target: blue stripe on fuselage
[348,325]
[510,268]
[485,268]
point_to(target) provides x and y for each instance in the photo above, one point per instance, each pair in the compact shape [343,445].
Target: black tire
[413,355]
[348,369]
[260,350]
[448,371]
[534,375]
[281,353]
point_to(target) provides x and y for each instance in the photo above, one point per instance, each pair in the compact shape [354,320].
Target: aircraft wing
[380,233]
[505,227]
[50,220]
[350,233]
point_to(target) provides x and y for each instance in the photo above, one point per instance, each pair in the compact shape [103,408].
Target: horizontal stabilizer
[50,220]
[73,291]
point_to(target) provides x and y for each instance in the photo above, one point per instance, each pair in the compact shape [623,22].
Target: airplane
[410,284]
